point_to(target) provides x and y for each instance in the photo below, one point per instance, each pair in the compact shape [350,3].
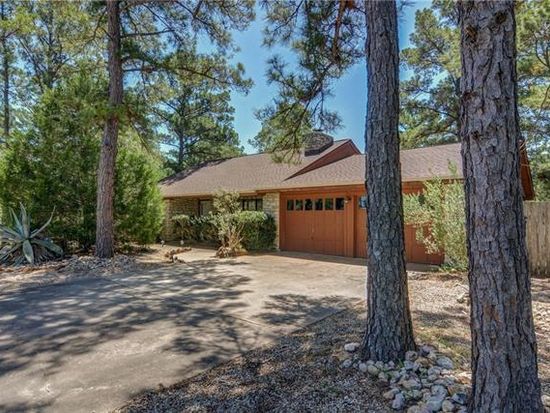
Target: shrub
[232,229]
[439,218]
[183,226]
[21,243]
[259,230]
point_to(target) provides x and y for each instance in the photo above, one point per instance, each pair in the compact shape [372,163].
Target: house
[318,201]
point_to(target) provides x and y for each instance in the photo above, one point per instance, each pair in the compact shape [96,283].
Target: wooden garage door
[315,223]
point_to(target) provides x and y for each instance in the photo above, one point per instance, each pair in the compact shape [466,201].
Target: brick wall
[175,206]
[271,206]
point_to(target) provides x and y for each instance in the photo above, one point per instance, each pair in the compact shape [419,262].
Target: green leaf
[25,221]
[48,245]
[17,222]
[38,231]
[28,252]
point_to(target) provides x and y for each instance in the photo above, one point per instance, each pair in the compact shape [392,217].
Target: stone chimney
[316,142]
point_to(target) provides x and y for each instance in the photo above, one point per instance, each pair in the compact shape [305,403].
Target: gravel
[75,266]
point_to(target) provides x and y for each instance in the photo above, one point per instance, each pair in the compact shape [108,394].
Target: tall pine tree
[504,349]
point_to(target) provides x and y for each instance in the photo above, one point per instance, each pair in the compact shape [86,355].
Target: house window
[329,204]
[205,207]
[363,202]
[309,204]
[254,204]
[290,205]
[340,204]
[319,204]
[299,205]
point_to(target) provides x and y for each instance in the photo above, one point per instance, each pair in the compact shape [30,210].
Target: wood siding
[537,215]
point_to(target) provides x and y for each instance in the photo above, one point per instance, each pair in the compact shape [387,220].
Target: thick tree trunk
[5,75]
[106,170]
[504,351]
[389,332]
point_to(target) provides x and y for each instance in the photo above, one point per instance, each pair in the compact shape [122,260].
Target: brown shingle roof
[244,174]
[247,174]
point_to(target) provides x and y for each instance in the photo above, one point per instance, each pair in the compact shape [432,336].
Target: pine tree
[504,349]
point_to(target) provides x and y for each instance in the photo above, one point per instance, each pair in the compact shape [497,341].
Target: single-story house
[318,201]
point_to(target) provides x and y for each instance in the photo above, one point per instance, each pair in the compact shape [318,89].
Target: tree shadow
[187,312]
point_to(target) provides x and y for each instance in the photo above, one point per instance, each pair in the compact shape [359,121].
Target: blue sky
[349,92]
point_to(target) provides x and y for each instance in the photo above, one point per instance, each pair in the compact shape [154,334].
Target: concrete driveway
[90,344]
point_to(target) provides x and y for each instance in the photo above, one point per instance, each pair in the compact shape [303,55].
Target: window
[299,205]
[340,204]
[309,204]
[254,204]
[363,202]
[290,205]
[205,207]
[329,204]
[319,204]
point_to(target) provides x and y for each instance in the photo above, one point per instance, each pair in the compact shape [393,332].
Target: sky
[349,92]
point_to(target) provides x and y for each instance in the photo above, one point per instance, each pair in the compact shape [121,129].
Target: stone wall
[175,206]
[190,206]
[271,206]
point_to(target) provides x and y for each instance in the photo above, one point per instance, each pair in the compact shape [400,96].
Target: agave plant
[21,244]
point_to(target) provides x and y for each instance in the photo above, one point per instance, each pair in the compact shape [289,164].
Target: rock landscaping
[422,383]
[75,266]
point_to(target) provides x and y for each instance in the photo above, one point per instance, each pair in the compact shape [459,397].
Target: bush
[255,230]
[439,218]
[259,230]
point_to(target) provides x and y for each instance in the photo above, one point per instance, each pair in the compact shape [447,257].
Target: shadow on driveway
[89,344]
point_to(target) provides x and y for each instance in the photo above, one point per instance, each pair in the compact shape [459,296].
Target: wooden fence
[537,216]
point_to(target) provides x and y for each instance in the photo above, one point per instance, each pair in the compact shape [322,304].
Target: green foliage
[21,243]
[274,136]
[54,163]
[439,218]
[430,95]
[197,111]
[183,226]
[234,230]
[226,202]
[138,202]
[259,230]
[327,38]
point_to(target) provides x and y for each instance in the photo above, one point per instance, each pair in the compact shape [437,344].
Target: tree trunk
[107,158]
[504,351]
[5,75]
[181,153]
[389,332]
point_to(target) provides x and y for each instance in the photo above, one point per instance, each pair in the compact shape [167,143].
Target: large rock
[445,362]
[373,370]
[351,347]
[398,402]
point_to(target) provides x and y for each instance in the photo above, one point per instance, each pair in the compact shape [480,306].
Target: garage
[334,223]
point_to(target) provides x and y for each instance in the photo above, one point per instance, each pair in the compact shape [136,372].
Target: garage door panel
[318,231]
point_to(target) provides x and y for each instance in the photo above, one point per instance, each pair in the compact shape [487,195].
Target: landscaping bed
[307,370]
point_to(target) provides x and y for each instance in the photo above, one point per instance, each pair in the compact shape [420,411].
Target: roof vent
[316,142]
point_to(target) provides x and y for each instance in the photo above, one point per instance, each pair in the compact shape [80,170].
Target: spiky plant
[21,243]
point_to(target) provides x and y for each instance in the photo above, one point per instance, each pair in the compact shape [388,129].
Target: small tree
[438,217]
[230,227]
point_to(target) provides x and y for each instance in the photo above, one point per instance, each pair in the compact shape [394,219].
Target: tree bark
[107,158]
[389,332]
[5,75]
[504,350]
